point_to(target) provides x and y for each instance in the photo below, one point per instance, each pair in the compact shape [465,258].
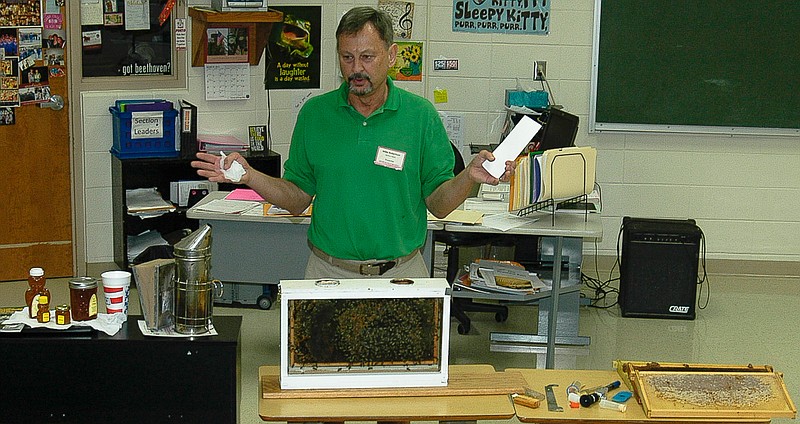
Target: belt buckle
[376,268]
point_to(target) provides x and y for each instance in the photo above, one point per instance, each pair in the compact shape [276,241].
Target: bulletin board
[125,38]
[727,66]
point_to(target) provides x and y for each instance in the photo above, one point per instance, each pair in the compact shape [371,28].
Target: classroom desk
[406,408]
[261,249]
[574,228]
[538,378]
[254,249]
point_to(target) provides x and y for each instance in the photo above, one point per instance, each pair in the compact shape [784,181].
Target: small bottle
[607,404]
[36,283]
[62,314]
[43,313]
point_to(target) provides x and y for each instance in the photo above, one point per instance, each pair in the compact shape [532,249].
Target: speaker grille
[658,270]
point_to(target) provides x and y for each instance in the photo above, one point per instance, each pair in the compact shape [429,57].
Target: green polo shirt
[363,210]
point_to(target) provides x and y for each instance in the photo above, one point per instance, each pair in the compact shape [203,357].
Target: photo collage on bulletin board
[32,43]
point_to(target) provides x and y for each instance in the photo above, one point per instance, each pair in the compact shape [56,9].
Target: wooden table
[447,407]
[538,378]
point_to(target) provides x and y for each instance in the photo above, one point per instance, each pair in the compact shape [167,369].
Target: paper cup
[116,289]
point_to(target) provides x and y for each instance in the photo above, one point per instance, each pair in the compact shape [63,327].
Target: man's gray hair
[356,18]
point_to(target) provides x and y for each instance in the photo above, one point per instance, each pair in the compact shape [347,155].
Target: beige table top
[404,408]
[538,378]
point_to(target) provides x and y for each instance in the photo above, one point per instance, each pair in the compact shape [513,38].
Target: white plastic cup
[116,289]
[114,311]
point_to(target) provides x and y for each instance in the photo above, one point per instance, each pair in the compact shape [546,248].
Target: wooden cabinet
[202,19]
[129,174]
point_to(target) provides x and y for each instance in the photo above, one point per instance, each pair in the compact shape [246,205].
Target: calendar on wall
[227,81]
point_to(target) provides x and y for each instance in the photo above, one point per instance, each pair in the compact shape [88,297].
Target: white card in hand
[512,146]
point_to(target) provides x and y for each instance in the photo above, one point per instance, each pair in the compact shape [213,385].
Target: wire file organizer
[557,183]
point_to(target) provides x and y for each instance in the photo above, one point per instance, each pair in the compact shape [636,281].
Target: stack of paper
[145,202]
[247,194]
[139,243]
[501,277]
[227,206]
[471,217]
[217,143]
[520,195]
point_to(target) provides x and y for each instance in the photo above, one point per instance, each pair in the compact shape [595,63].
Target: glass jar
[62,315]
[83,298]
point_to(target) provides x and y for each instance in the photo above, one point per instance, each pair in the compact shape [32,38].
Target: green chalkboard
[722,64]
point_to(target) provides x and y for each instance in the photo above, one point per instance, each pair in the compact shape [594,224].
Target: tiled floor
[748,320]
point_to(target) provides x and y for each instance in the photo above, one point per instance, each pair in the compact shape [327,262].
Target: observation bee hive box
[364,333]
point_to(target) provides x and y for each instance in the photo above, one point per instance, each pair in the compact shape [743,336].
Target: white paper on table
[171,332]
[107,323]
[506,221]
[227,206]
[512,146]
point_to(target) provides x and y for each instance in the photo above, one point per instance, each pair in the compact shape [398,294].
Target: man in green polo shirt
[372,157]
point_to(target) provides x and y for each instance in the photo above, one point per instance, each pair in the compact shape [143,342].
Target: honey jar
[43,314]
[83,298]
[62,315]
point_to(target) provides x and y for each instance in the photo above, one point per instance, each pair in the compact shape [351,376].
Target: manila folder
[568,172]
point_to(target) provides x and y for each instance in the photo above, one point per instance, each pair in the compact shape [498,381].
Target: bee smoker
[194,292]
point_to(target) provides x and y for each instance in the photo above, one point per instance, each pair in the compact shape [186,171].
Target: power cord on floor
[704,278]
[601,294]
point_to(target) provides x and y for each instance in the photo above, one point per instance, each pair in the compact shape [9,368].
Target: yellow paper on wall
[440,95]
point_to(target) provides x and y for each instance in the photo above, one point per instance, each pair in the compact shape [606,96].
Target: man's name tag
[390,158]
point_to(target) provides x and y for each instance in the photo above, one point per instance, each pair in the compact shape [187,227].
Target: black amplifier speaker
[658,268]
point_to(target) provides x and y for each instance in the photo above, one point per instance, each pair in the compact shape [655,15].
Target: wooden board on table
[464,383]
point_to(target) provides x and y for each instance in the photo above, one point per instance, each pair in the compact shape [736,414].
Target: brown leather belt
[361,267]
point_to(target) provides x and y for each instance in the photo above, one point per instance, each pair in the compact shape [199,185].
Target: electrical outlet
[539,70]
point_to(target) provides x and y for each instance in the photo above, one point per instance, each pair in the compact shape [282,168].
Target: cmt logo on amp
[679,309]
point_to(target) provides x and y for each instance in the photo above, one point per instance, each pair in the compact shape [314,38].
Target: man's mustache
[358,75]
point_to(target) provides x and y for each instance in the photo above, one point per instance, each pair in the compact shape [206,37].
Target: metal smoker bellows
[194,293]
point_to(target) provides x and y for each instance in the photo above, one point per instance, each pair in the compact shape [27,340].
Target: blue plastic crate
[126,147]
